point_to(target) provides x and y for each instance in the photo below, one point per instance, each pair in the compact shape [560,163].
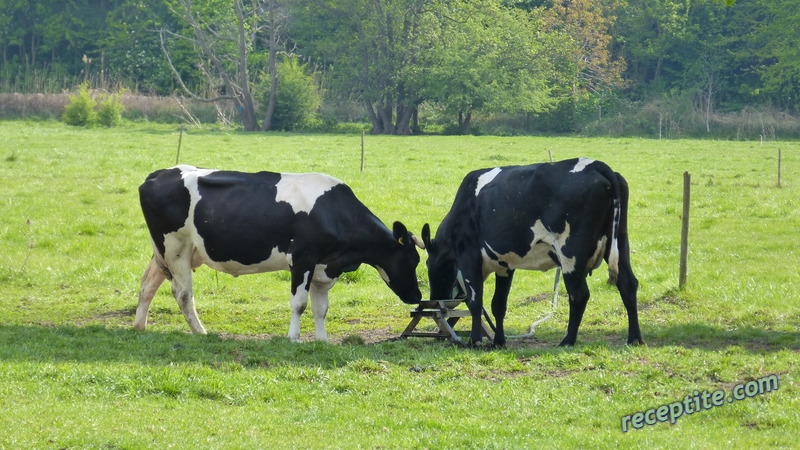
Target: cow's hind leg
[183,292]
[578,292]
[628,285]
[151,280]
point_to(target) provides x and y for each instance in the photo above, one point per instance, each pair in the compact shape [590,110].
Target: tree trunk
[377,126]
[386,112]
[245,95]
[404,115]
[464,121]
[273,68]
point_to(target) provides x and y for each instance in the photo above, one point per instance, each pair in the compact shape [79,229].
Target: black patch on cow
[238,218]
[165,204]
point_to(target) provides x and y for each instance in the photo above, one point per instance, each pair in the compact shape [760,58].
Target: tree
[298,102]
[768,45]
[489,58]
[588,69]
[391,56]
[133,51]
[226,37]
[583,27]
[371,48]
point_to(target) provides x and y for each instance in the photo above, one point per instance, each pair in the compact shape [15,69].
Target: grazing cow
[240,223]
[571,214]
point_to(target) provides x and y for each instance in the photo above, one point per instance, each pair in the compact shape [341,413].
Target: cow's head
[399,268]
[442,268]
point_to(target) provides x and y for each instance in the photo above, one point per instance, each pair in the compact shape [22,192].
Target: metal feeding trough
[445,313]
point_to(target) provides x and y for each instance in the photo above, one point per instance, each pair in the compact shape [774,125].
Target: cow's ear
[426,235]
[400,233]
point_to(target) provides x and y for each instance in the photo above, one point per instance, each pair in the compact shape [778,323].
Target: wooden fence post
[362,150]
[687,183]
[178,154]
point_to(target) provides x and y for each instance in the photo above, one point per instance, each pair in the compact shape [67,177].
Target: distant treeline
[667,68]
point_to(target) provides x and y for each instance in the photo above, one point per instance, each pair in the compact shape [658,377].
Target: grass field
[73,245]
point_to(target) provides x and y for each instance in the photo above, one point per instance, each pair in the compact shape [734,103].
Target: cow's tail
[619,228]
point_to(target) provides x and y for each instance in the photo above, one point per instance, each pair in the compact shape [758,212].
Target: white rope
[548,316]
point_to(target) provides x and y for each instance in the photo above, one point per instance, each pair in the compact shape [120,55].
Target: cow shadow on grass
[96,343]
[701,335]
[691,335]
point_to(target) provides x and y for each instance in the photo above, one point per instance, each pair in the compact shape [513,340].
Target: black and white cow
[571,214]
[241,223]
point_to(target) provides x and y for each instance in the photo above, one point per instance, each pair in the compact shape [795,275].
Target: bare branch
[179,78]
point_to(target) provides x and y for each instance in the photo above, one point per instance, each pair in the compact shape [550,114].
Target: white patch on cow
[301,190]
[190,174]
[382,273]
[320,276]
[597,257]
[320,286]
[276,261]
[537,257]
[485,179]
[472,295]
[557,241]
[613,256]
[582,163]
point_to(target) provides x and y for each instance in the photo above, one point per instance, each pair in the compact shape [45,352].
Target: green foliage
[488,59]
[110,108]
[80,111]
[84,110]
[298,99]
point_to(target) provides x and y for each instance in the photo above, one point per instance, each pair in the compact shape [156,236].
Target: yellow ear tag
[400,241]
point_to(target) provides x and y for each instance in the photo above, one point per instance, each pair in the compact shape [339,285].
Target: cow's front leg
[300,286]
[319,302]
[474,288]
[499,306]
[578,292]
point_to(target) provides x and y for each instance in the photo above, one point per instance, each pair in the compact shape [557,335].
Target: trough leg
[151,280]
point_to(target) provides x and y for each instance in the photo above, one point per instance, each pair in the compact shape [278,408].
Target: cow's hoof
[467,344]
[566,343]
[636,342]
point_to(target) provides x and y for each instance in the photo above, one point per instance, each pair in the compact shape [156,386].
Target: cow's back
[515,210]
[253,220]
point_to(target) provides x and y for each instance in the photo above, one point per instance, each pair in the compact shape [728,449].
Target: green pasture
[73,245]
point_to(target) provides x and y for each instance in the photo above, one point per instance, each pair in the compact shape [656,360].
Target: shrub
[298,99]
[80,109]
[110,110]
